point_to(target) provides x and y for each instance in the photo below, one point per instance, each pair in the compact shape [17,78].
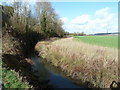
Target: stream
[52,75]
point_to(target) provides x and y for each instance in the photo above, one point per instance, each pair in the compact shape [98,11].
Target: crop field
[106,41]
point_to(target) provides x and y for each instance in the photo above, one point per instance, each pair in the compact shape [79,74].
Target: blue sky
[88,17]
[97,17]
[73,9]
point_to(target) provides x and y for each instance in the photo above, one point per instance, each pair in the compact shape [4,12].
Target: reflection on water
[49,73]
[41,71]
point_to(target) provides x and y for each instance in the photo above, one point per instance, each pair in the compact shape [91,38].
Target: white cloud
[81,19]
[101,22]
[64,19]
[102,13]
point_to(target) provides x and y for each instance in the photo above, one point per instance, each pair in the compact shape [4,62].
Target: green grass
[11,79]
[106,41]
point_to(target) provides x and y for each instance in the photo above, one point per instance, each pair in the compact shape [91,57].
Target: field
[83,61]
[106,41]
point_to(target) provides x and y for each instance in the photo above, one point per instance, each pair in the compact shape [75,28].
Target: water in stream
[55,78]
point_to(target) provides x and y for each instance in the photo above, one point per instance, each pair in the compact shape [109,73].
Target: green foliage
[7,13]
[107,41]
[49,21]
[43,23]
[11,79]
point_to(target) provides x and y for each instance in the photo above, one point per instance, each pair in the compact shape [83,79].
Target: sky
[87,17]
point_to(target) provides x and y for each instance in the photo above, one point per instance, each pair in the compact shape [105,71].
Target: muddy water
[52,75]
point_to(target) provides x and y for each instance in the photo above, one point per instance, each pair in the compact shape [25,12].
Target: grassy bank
[106,41]
[12,79]
[89,63]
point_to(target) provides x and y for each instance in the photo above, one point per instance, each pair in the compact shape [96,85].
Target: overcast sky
[88,17]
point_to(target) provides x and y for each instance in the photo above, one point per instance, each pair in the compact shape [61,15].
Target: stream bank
[15,53]
[52,75]
[73,59]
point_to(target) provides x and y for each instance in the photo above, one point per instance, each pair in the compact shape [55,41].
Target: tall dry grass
[92,63]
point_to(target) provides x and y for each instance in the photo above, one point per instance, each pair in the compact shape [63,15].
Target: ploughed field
[106,41]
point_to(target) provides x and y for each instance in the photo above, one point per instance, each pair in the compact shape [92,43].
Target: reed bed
[88,63]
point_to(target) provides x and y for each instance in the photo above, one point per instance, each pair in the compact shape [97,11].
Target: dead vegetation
[89,63]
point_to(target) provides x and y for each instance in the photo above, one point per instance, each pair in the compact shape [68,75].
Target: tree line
[40,18]
[31,23]
[67,34]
